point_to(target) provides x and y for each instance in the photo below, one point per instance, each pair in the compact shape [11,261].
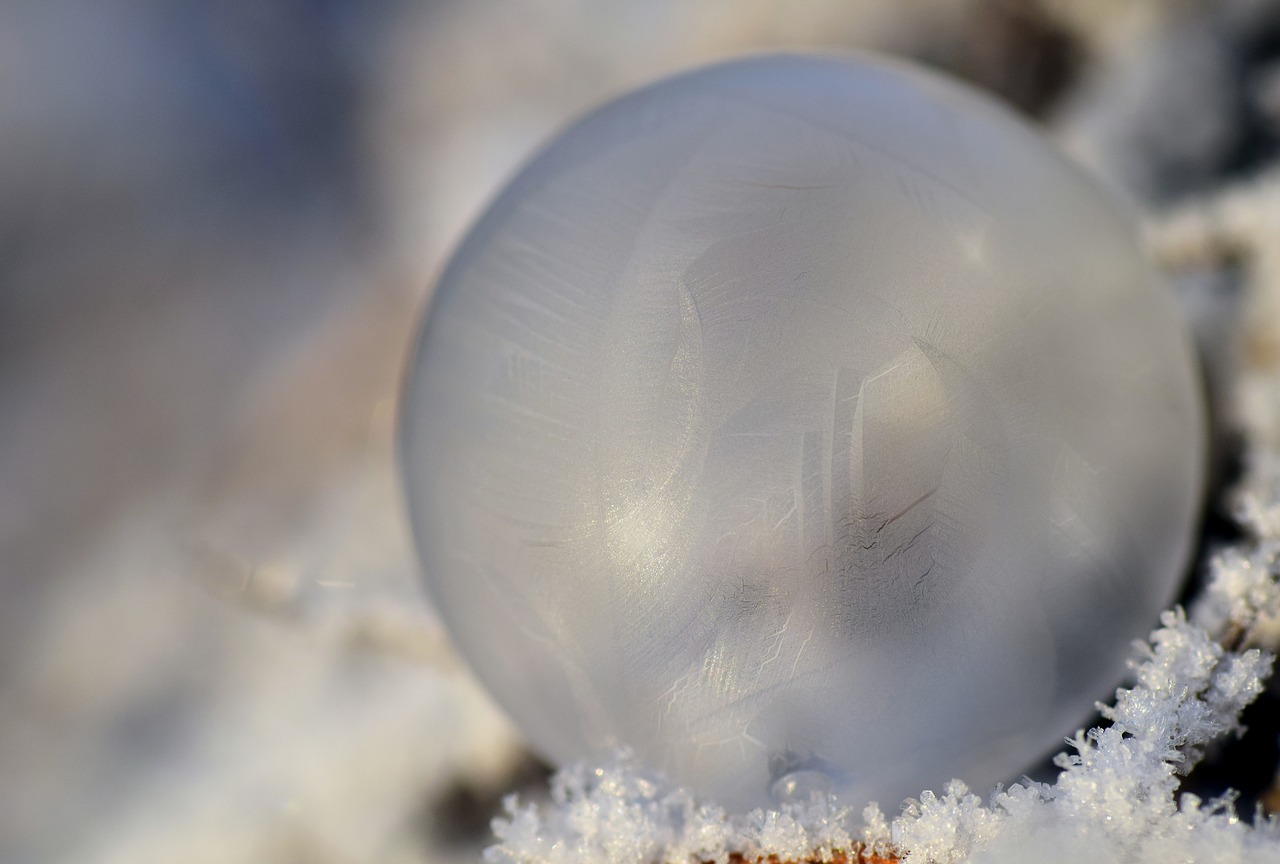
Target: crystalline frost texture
[802,415]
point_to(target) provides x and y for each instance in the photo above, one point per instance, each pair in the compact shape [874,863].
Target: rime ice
[802,423]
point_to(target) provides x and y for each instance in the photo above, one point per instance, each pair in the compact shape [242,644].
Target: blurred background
[219,224]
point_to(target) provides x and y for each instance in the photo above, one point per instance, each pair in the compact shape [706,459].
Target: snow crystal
[619,813]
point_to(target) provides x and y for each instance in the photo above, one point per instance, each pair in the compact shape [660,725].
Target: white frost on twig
[618,813]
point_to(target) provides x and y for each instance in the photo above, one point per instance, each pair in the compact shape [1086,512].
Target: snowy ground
[219,222]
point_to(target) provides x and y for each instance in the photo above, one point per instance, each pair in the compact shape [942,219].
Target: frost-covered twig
[619,813]
[1116,794]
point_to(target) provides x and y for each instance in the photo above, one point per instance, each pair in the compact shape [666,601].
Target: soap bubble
[802,424]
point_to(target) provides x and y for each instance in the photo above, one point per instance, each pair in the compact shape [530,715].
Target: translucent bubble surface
[802,424]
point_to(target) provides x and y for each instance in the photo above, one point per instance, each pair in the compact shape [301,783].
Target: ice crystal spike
[797,417]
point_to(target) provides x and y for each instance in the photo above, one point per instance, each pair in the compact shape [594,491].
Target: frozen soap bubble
[802,423]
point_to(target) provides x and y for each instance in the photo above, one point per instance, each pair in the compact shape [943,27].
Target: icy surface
[773,397]
[618,813]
